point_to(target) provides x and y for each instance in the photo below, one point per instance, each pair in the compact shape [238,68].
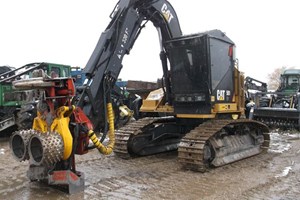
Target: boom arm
[105,63]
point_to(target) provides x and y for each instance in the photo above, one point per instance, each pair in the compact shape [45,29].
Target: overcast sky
[266,33]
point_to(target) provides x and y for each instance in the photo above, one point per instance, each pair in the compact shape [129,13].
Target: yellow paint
[212,98]
[165,108]
[153,100]
[196,116]
[149,105]
[226,107]
[235,116]
[39,124]
[125,111]
[106,150]
[61,125]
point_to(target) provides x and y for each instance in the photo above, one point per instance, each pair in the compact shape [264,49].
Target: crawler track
[195,152]
[123,134]
[211,144]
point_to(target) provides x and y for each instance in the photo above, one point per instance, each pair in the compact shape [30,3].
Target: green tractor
[16,107]
[280,109]
[289,82]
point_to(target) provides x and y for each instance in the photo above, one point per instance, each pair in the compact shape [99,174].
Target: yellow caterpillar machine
[203,114]
[199,110]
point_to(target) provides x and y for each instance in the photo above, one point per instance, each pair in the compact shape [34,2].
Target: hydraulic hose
[106,150]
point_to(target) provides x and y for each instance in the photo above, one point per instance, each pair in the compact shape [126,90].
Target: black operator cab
[202,72]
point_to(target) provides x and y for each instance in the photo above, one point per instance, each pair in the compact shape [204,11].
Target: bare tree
[274,78]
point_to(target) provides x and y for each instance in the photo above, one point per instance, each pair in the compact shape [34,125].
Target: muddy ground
[271,175]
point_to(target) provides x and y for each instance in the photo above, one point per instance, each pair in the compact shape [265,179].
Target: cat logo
[220,95]
[167,13]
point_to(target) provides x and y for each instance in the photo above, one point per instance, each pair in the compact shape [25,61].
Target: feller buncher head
[51,144]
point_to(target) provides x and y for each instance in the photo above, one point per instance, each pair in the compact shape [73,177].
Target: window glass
[55,72]
[220,61]
[293,80]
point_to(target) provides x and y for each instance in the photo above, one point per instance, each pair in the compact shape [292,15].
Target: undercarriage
[148,136]
[219,142]
[210,144]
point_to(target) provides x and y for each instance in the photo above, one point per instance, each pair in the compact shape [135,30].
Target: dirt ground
[271,175]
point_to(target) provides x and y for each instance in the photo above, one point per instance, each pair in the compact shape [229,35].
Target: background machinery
[199,109]
[251,87]
[280,108]
[15,105]
[9,101]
